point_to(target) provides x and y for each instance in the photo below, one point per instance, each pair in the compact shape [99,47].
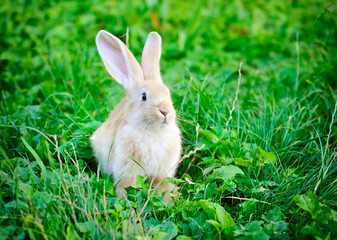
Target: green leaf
[227,222]
[208,138]
[243,162]
[254,226]
[253,230]
[161,236]
[208,207]
[267,157]
[166,231]
[71,234]
[308,203]
[278,229]
[85,227]
[43,149]
[325,218]
[259,190]
[274,215]
[218,217]
[184,238]
[214,223]
[249,146]
[141,182]
[226,173]
[36,156]
[210,190]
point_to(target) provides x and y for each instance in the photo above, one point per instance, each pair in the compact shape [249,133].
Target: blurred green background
[55,92]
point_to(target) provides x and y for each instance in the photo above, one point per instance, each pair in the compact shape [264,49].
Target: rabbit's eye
[144,96]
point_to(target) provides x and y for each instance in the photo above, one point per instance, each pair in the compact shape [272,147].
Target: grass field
[259,148]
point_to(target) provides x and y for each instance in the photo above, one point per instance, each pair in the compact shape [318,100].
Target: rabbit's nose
[164,112]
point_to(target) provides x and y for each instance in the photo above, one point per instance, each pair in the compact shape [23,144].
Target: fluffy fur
[140,137]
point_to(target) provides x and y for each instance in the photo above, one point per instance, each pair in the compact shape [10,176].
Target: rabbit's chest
[150,150]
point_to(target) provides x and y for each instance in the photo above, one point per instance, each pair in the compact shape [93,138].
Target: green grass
[259,167]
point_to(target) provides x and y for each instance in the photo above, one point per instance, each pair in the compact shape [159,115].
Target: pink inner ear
[118,60]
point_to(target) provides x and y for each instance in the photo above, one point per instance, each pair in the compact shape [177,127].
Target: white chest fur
[152,152]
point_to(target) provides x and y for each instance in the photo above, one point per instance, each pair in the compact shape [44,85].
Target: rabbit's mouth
[159,118]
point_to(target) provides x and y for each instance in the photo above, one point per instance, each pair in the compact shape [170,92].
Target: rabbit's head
[148,101]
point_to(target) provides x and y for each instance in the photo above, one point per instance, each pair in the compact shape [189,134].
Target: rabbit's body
[156,150]
[141,136]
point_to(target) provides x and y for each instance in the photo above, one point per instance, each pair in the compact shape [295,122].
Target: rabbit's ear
[151,57]
[118,60]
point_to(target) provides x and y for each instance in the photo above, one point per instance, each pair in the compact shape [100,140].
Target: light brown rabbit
[141,136]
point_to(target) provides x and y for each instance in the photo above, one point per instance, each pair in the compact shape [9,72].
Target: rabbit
[141,135]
